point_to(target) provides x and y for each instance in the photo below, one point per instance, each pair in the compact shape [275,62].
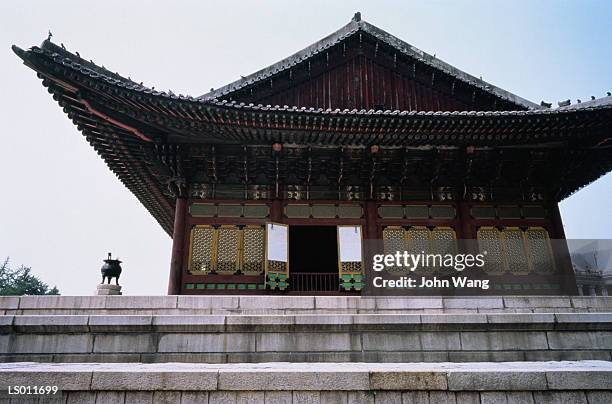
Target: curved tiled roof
[134,119]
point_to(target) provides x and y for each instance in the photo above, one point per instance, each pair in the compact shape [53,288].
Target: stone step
[229,323]
[306,338]
[226,304]
[529,382]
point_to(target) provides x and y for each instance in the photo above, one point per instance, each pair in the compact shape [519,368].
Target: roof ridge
[439,64]
[347,30]
[593,103]
[52,47]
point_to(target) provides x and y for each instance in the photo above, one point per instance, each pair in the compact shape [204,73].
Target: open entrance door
[277,256]
[350,258]
[313,253]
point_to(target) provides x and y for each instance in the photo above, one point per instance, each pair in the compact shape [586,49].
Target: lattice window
[253,250]
[420,240]
[227,249]
[276,266]
[443,241]
[540,251]
[201,249]
[514,249]
[351,267]
[419,243]
[394,239]
[489,240]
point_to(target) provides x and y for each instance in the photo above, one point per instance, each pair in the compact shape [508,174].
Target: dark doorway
[313,258]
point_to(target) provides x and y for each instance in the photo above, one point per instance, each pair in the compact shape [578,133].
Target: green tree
[20,281]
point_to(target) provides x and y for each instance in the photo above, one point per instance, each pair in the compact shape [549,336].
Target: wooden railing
[314,282]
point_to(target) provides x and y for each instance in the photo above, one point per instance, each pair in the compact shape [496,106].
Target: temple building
[593,269]
[271,183]
[593,282]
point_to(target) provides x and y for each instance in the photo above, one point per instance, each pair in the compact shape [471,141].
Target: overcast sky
[61,208]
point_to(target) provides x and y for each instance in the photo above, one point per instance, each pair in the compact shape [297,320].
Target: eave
[126,122]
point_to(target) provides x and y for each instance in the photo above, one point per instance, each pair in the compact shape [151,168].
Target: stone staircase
[310,338]
[231,329]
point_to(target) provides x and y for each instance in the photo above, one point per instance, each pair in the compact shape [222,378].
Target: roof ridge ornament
[357,16]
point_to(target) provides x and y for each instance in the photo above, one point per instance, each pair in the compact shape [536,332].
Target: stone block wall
[574,382]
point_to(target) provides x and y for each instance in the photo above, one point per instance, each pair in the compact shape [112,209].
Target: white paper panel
[277,242]
[349,238]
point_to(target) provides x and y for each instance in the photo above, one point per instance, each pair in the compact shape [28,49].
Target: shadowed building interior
[313,254]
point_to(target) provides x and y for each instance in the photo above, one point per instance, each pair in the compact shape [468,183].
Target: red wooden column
[276,211]
[464,231]
[557,223]
[371,214]
[465,220]
[178,245]
[568,278]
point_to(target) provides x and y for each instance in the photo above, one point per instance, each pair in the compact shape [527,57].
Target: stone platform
[231,329]
[105,289]
[292,383]
[305,349]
